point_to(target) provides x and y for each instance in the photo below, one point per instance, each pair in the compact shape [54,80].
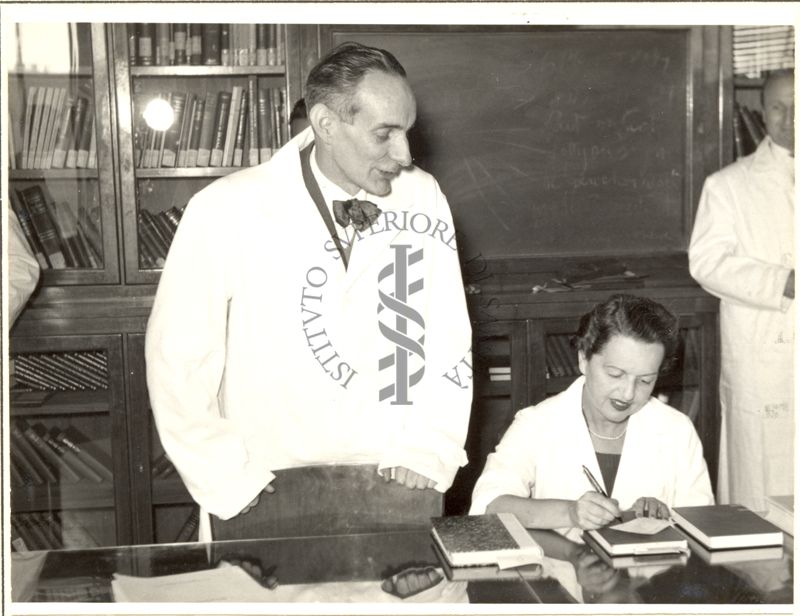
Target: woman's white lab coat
[742,251]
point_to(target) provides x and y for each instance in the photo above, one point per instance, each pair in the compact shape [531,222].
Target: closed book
[45,127]
[621,542]
[491,539]
[56,119]
[67,229]
[195,133]
[92,231]
[211,41]
[161,240]
[195,44]
[79,118]
[727,526]
[27,458]
[90,455]
[30,101]
[233,123]
[180,35]
[146,37]
[164,227]
[34,200]
[21,538]
[780,511]
[251,43]
[85,138]
[626,561]
[150,240]
[207,130]
[264,126]
[36,539]
[238,144]
[261,44]
[735,555]
[220,126]
[252,121]
[486,572]
[272,45]
[172,135]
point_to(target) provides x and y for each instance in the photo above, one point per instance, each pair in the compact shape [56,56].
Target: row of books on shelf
[211,44]
[61,371]
[561,358]
[156,232]
[59,236]
[748,129]
[58,131]
[49,531]
[54,456]
[240,127]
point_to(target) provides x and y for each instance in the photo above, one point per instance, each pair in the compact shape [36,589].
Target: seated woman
[645,454]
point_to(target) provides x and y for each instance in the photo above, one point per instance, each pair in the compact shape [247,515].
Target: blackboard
[553,141]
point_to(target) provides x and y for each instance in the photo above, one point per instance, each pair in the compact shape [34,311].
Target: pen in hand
[596,485]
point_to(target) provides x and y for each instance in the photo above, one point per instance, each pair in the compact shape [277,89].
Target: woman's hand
[649,507]
[593,510]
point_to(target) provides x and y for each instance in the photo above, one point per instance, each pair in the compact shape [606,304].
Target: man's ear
[582,362]
[323,122]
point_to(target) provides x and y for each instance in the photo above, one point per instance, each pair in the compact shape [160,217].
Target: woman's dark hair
[640,318]
[333,81]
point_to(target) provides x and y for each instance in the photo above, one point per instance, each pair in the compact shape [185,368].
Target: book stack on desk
[729,533]
[616,542]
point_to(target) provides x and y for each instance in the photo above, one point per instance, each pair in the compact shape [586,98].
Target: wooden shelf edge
[205,71]
[186,172]
[53,174]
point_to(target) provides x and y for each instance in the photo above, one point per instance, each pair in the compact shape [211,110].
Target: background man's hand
[407,477]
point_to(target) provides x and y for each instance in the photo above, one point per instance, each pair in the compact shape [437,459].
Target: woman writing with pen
[577,460]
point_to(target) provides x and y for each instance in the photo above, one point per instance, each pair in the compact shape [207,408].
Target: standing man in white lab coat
[742,251]
[311,311]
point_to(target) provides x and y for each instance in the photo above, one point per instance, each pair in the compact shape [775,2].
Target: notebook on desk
[727,526]
[735,555]
[622,543]
[666,559]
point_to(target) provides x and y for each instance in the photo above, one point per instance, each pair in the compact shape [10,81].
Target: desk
[351,567]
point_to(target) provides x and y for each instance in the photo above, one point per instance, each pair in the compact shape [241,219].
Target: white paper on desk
[229,583]
[225,583]
[643,526]
[518,560]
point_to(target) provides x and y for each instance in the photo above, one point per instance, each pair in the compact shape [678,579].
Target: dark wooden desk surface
[320,562]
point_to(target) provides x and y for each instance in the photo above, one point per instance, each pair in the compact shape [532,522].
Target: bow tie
[361,213]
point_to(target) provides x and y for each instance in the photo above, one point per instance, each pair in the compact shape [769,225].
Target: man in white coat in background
[742,251]
[280,339]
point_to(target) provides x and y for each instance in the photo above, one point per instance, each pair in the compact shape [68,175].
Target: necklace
[607,438]
[600,436]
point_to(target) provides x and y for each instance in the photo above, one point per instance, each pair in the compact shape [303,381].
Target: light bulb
[158,114]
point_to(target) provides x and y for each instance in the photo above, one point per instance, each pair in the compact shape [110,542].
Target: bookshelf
[60,173]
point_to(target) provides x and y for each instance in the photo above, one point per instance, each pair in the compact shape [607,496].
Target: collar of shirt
[331,192]
[783,156]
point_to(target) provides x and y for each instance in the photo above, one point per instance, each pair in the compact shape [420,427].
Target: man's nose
[400,151]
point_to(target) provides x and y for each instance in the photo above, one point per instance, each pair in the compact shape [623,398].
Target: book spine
[264,126]
[252,124]
[70,459]
[76,442]
[197,127]
[261,45]
[48,461]
[44,122]
[220,124]
[230,132]
[225,45]
[172,135]
[79,119]
[180,34]
[27,458]
[280,47]
[26,128]
[164,228]
[211,44]
[252,43]
[133,43]
[161,241]
[33,198]
[43,366]
[59,112]
[207,131]
[195,44]
[238,144]
[65,136]
[189,528]
[186,129]
[152,245]
[36,120]
[146,36]
[85,138]
[163,44]
[93,234]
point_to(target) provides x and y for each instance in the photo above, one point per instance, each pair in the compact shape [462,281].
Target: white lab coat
[23,269]
[742,251]
[541,454]
[263,353]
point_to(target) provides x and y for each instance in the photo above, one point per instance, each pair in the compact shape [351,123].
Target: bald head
[778,99]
